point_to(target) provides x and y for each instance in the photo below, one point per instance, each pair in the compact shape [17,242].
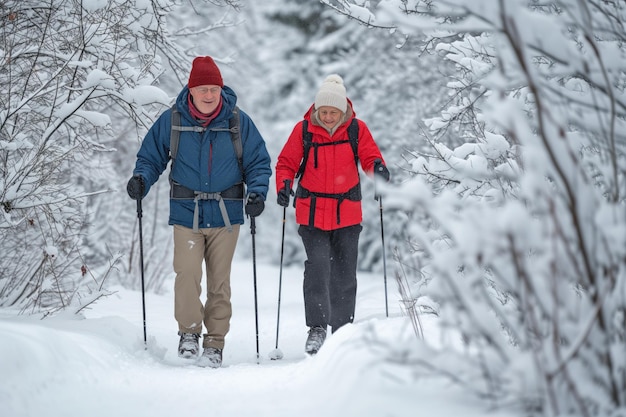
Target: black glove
[381,170]
[284,194]
[254,205]
[136,187]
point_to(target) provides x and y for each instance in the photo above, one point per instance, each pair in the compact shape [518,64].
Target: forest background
[501,121]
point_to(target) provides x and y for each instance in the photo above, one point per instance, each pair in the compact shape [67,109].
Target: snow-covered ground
[97,365]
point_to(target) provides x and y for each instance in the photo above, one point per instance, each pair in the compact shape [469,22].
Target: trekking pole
[256,309]
[143,291]
[382,234]
[277,353]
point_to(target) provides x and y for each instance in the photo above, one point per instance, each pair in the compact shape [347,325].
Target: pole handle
[252,226]
[287,187]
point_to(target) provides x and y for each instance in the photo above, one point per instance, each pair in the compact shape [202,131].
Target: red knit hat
[204,72]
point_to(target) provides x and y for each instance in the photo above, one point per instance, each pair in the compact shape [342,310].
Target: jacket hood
[229,100]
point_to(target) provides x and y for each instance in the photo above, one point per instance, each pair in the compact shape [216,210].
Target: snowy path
[99,367]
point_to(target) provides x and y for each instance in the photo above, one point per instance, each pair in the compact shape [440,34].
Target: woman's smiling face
[329,116]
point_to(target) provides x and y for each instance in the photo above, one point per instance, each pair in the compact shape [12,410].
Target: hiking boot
[317,335]
[211,357]
[188,346]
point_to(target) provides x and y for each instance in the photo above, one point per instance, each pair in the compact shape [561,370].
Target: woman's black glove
[381,170]
[284,194]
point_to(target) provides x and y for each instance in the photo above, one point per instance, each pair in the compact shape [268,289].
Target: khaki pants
[216,246]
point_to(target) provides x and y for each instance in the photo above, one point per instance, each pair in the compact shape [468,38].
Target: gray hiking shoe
[317,335]
[211,357]
[188,346]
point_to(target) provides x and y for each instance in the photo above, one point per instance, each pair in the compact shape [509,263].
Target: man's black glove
[284,194]
[381,170]
[136,187]
[254,205]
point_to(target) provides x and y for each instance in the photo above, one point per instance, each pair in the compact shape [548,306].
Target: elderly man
[215,150]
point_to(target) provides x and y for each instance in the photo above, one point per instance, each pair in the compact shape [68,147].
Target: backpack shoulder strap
[174,133]
[175,130]
[307,139]
[235,136]
[307,143]
[353,135]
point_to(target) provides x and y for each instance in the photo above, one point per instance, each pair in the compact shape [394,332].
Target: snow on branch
[512,213]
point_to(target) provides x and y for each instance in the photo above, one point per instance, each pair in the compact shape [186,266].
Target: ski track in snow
[99,366]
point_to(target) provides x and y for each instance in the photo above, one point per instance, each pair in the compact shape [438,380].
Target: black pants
[330,275]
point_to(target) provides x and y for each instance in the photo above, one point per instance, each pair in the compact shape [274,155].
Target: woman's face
[206,97]
[329,116]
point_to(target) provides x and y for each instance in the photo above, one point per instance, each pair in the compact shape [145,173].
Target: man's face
[206,97]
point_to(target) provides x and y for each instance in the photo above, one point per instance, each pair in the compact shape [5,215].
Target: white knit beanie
[332,93]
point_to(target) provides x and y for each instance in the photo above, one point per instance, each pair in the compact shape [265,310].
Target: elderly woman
[323,151]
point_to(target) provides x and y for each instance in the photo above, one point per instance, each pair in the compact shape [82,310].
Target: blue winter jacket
[205,162]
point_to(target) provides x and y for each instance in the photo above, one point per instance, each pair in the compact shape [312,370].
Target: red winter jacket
[336,172]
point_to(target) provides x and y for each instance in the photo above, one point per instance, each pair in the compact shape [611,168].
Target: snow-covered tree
[518,232]
[74,76]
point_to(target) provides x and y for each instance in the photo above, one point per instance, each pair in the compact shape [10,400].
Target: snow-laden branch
[510,213]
